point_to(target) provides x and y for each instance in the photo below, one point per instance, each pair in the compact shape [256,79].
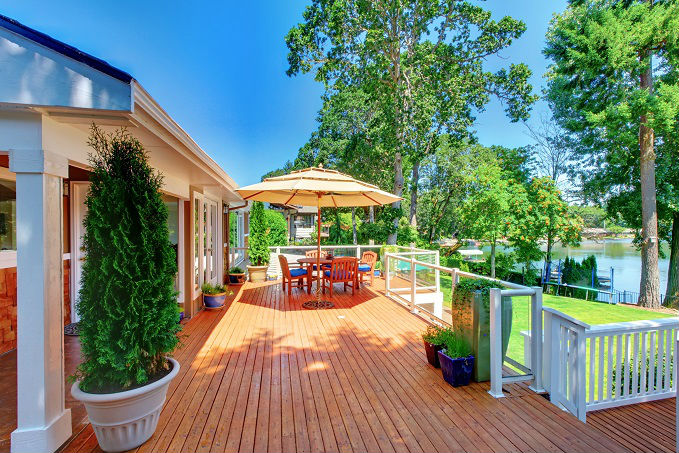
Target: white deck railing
[602,366]
[408,280]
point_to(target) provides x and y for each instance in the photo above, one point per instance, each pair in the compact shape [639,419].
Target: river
[619,254]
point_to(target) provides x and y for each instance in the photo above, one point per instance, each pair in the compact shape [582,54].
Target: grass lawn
[589,312]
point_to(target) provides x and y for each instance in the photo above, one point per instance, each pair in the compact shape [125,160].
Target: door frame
[76,190]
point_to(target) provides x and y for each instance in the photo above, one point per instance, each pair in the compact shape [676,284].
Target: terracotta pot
[125,420]
[257,273]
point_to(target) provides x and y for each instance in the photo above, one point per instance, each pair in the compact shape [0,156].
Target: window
[304,221]
[196,243]
[172,205]
[8,196]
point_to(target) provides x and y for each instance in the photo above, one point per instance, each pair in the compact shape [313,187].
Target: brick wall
[8,305]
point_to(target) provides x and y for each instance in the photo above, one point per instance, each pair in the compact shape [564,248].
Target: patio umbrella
[320,187]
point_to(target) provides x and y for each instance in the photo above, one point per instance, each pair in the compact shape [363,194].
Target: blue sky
[218,68]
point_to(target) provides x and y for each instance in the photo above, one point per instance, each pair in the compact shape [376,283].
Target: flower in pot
[127,302]
[258,246]
[236,276]
[457,361]
[433,338]
[214,295]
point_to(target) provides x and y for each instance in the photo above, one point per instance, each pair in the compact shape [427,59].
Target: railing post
[437,273]
[536,339]
[412,284]
[386,273]
[674,384]
[358,252]
[496,343]
[581,374]
[547,352]
[554,363]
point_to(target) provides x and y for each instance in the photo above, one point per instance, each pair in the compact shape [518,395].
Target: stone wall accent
[8,305]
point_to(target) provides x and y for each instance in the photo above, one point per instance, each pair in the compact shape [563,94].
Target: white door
[210,241]
[78,193]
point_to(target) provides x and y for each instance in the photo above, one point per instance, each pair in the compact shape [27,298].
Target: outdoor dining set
[349,271]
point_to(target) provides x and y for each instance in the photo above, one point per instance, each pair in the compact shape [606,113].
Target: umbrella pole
[318,304]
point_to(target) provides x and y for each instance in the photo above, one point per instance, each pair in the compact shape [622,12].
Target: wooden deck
[266,375]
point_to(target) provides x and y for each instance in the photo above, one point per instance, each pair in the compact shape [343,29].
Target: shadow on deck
[265,375]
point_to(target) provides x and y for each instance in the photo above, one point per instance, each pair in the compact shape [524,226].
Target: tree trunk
[672,293]
[353,224]
[398,191]
[649,288]
[492,259]
[550,243]
[413,195]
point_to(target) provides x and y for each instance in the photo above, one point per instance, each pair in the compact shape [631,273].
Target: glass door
[210,240]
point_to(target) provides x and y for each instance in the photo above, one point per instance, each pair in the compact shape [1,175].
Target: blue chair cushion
[324,266]
[337,275]
[364,268]
[297,272]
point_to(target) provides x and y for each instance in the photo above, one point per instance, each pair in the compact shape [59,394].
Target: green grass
[589,312]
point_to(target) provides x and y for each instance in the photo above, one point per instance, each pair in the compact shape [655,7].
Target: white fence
[408,280]
[597,367]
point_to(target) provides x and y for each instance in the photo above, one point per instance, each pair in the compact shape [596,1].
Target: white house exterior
[50,94]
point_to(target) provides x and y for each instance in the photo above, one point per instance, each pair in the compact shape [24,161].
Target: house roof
[63,48]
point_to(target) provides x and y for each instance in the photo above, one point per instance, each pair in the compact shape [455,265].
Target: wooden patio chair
[342,270]
[289,275]
[367,266]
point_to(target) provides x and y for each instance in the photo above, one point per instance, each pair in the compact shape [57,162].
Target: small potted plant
[214,295]
[236,276]
[127,303]
[258,247]
[457,361]
[433,338]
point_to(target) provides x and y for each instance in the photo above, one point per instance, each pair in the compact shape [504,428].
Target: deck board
[265,375]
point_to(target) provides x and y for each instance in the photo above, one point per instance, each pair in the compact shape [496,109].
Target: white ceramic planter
[257,273]
[125,420]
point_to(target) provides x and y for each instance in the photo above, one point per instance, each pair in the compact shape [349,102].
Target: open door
[78,193]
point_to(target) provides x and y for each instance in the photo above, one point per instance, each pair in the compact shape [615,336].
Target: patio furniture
[342,270]
[311,263]
[367,265]
[289,275]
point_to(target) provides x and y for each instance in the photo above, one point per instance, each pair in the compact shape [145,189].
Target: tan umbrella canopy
[320,187]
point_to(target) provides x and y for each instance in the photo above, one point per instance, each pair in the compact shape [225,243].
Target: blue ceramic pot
[214,300]
[456,372]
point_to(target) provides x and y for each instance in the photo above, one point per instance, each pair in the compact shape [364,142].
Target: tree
[421,64]
[484,213]
[127,303]
[276,228]
[602,87]
[258,243]
[553,151]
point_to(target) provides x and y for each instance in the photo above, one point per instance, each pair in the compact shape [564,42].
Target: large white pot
[125,420]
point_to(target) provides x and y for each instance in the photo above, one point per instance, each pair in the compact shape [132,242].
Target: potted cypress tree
[127,302]
[258,245]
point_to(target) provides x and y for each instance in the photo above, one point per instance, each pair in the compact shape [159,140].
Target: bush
[455,344]
[211,290]
[236,270]
[276,228]
[436,335]
[127,303]
[258,245]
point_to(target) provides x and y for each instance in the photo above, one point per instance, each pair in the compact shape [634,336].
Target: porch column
[43,422]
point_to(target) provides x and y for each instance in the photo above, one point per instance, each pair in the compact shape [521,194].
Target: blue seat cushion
[364,267]
[337,275]
[297,272]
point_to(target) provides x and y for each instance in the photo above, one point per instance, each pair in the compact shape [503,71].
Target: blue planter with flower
[456,371]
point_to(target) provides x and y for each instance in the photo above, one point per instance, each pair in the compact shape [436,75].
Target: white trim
[181,297]
[8,259]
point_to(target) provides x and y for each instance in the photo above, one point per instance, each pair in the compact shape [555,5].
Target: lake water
[619,254]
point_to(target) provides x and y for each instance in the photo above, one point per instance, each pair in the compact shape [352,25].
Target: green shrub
[236,270]
[455,345]
[436,335]
[471,285]
[127,303]
[276,228]
[258,245]
[211,290]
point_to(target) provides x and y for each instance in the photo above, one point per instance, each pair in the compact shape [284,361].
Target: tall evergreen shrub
[127,302]
[258,244]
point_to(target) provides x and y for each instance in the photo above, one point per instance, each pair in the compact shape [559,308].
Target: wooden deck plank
[265,375]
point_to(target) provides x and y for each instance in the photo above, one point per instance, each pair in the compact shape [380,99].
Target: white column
[43,422]
[536,339]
